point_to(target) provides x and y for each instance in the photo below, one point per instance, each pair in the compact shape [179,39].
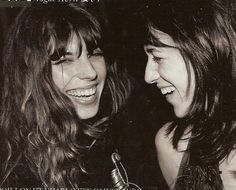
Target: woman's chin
[87,112]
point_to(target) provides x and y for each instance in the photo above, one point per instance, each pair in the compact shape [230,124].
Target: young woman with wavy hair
[191,49]
[60,88]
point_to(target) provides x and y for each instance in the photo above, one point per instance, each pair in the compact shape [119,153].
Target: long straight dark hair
[38,123]
[204,33]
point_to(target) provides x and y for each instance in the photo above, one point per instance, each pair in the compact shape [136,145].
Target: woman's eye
[97,52]
[62,60]
[156,59]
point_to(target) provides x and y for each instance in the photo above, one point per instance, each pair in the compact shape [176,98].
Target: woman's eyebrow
[158,43]
[151,49]
[157,49]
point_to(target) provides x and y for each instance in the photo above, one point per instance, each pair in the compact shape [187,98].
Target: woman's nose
[85,69]
[151,72]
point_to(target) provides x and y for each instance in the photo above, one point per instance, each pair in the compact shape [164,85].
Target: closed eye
[63,60]
[156,59]
[95,53]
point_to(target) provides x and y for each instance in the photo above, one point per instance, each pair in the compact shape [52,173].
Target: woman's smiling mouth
[167,90]
[83,95]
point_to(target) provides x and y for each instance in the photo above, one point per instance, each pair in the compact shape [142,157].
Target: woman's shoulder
[228,170]
[169,157]
[163,141]
[162,138]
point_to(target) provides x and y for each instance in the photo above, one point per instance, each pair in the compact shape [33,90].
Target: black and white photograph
[118,94]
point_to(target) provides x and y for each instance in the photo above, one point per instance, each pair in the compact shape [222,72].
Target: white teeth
[167,90]
[82,92]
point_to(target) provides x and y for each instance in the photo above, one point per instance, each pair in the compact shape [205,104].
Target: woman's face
[81,77]
[167,69]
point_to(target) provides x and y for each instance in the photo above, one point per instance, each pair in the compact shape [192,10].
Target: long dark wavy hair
[39,123]
[204,32]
